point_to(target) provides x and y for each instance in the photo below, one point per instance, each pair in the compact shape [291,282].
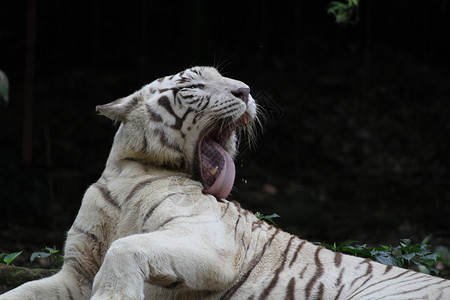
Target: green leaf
[349,243]
[424,250]
[337,4]
[325,245]
[427,239]
[431,256]
[408,256]
[8,258]
[267,218]
[423,269]
[51,250]
[39,255]
[385,258]
[336,8]
[273,216]
[428,266]
[405,242]
[59,257]
[4,87]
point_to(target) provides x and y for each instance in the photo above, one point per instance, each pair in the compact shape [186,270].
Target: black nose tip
[242,93]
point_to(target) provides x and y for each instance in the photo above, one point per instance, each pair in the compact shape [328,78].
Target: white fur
[146,230]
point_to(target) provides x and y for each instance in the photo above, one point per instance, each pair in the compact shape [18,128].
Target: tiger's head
[186,122]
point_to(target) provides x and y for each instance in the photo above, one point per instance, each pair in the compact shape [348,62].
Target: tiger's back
[270,263]
[287,267]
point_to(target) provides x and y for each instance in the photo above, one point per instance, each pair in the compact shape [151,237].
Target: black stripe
[300,246]
[174,91]
[131,105]
[254,262]
[69,293]
[164,102]
[388,268]
[275,278]
[205,105]
[198,115]
[231,105]
[107,195]
[153,115]
[337,259]
[320,292]
[144,143]
[290,293]
[229,112]
[368,271]
[218,103]
[194,70]
[165,141]
[382,281]
[150,211]
[238,205]
[303,272]
[184,79]
[339,292]
[191,96]
[167,221]
[90,235]
[80,269]
[339,280]
[226,209]
[317,275]
[235,226]
[362,284]
[257,224]
[407,292]
[142,184]
[420,288]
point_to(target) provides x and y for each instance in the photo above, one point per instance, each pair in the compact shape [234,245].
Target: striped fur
[147,229]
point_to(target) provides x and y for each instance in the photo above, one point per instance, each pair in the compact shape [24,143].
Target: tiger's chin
[217,169]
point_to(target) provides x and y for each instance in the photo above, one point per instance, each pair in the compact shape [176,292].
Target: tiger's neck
[147,151]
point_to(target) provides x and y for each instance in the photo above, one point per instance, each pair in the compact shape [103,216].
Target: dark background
[356,142]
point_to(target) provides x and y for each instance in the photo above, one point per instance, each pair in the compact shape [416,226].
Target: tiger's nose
[242,93]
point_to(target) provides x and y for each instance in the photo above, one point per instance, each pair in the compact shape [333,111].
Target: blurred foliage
[405,255]
[268,218]
[8,258]
[48,253]
[344,12]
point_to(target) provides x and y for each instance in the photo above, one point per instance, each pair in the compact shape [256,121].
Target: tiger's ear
[119,109]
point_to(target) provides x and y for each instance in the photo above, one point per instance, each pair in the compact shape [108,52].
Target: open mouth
[217,168]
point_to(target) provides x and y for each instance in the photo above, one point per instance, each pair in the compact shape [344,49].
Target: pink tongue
[216,168]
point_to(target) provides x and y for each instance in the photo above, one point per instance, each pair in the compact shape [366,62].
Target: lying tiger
[156,224]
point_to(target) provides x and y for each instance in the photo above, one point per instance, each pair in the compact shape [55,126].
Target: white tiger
[156,224]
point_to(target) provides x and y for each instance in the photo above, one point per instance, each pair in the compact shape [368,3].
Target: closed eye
[195,86]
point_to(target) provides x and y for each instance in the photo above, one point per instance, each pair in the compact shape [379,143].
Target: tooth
[214,171]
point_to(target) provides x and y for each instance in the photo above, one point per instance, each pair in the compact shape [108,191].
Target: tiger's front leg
[171,260]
